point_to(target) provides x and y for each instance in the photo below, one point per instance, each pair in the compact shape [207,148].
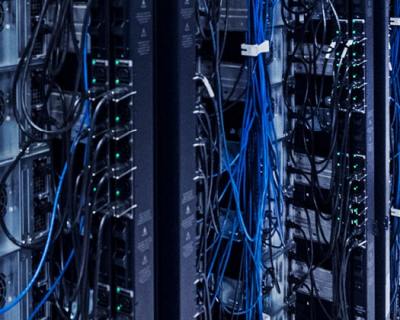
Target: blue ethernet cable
[258,117]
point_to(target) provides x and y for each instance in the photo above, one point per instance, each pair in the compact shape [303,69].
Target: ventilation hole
[2,17]
[3,200]
[3,290]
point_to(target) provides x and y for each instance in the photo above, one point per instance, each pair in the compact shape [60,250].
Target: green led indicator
[117,155]
[117,193]
[117,119]
[117,81]
[119,308]
[93,62]
[118,289]
[94,81]
[117,62]
[94,189]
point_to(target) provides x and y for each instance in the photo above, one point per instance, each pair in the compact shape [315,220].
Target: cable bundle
[247,211]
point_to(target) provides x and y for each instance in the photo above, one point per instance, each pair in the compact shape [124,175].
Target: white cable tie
[395,22]
[395,212]
[254,50]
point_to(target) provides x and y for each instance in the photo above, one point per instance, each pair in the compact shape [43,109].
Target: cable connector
[254,50]
[331,49]
[206,83]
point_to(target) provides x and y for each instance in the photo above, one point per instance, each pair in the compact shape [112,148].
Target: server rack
[367,283]
[111,44]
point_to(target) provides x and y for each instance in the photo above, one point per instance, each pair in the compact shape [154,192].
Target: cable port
[124,301]
[122,200]
[104,296]
[123,74]
[100,72]
[121,157]
[121,119]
